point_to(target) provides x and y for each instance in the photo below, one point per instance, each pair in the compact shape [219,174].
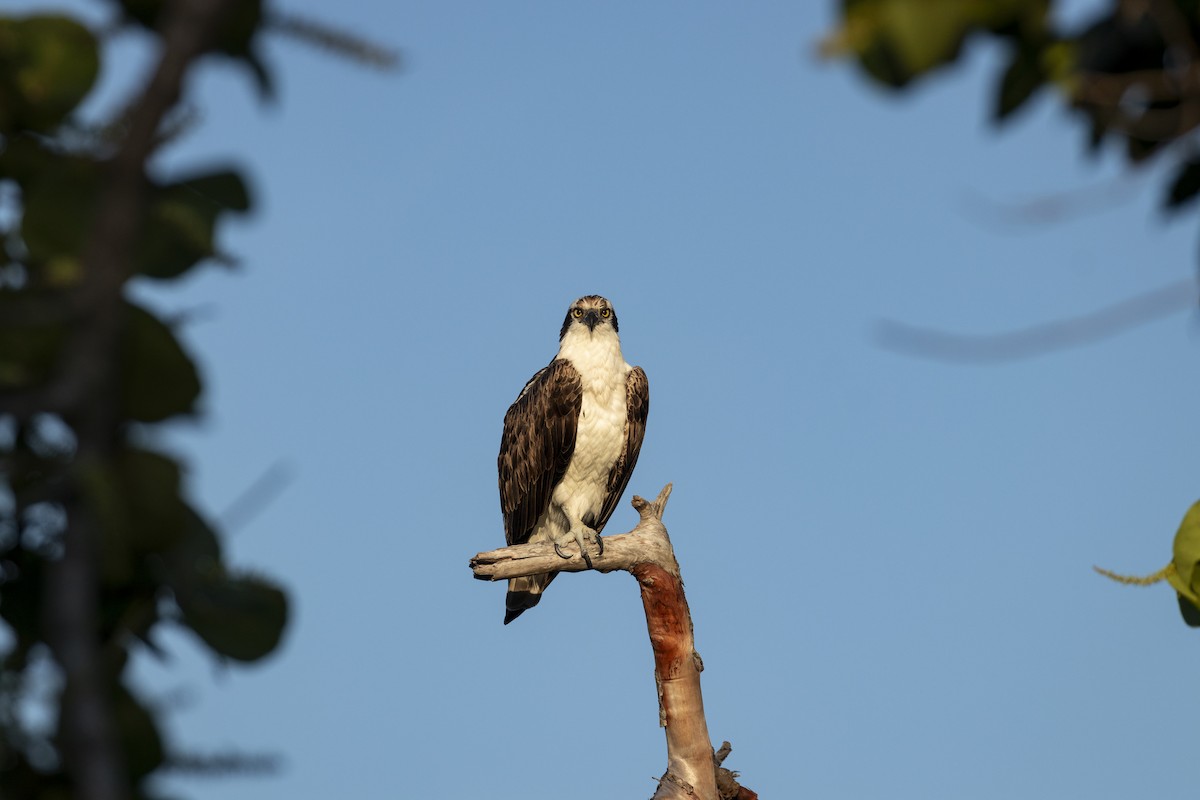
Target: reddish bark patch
[667,618]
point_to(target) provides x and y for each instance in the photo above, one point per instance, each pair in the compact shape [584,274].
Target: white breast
[600,434]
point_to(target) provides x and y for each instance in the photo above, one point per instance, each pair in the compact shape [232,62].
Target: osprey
[570,443]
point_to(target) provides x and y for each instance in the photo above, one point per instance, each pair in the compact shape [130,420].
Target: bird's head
[591,312]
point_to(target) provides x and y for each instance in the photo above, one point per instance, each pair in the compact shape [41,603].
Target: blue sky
[888,559]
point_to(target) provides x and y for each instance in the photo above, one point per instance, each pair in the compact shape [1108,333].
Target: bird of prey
[570,443]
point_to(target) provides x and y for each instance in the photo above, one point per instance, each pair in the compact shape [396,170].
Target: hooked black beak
[591,319]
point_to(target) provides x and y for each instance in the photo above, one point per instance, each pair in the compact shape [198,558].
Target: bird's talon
[560,552]
[599,545]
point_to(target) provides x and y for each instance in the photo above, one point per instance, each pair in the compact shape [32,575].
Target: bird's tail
[524,593]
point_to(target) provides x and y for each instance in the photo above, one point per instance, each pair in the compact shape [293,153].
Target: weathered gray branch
[621,552]
[646,553]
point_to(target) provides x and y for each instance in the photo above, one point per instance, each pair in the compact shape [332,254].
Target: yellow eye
[578,312]
[605,313]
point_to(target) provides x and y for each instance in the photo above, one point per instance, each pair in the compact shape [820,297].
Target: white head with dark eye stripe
[590,313]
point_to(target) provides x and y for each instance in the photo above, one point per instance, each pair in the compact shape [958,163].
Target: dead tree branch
[621,552]
[646,553]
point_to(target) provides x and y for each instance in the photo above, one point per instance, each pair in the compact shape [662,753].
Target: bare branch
[257,496]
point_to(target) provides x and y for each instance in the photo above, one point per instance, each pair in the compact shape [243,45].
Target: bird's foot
[580,535]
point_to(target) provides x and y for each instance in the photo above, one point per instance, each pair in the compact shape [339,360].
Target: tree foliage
[100,546]
[1130,74]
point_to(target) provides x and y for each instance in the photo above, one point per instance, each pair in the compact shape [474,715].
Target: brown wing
[637,404]
[536,447]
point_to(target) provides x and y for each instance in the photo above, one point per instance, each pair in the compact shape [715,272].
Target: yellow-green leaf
[899,40]
[1184,575]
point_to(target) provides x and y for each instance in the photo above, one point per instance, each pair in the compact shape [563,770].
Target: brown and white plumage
[570,442]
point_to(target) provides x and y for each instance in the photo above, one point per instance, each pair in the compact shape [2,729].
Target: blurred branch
[257,496]
[1109,89]
[1118,94]
[1049,208]
[1038,339]
[1174,26]
[1115,94]
[219,765]
[335,41]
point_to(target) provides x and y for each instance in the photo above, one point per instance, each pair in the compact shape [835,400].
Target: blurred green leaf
[48,64]
[21,601]
[897,41]
[103,492]
[28,353]
[195,560]
[263,79]
[196,556]
[152,546]
[1120,41]
[1140,148]
[60,193]
[1022,77]
[150,483]
[24,158]
[59,199]
[143,746]
[1184,187]
[181,222]
[1113,57]
[1190,613]
[236,38]
[135,496]
[238,617]
[158,379]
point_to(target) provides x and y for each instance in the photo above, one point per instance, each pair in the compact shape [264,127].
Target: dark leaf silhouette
[159,380]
